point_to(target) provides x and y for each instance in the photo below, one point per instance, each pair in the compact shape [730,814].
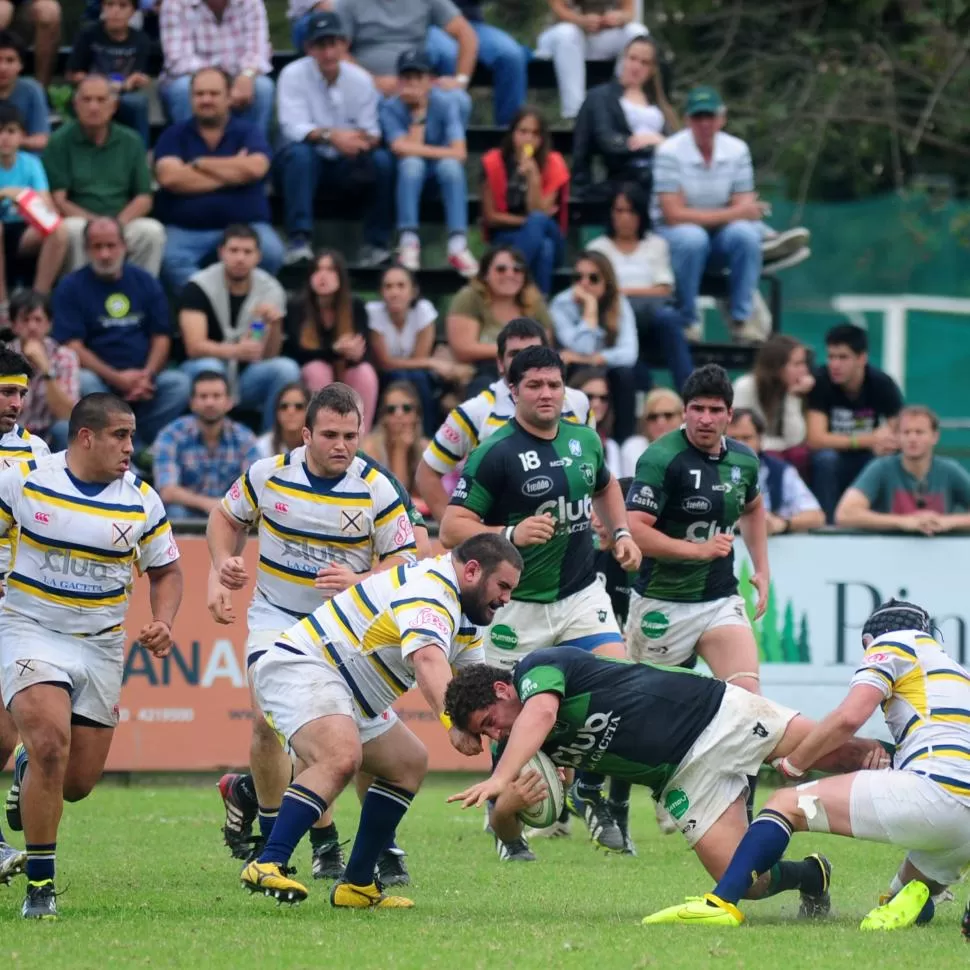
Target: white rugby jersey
[368,632]
[927,706]
[307,523]
[469,424]
[72,566]
[18,444]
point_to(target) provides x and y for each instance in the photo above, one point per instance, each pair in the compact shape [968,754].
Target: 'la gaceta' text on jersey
[634,721]
[515,475]
[694,496]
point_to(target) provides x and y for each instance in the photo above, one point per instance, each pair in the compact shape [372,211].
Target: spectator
[120,53]
[327,110]
[114,316]
[641,261]
[56,384]
[503,55]
[211,171]
[775,390]
[593,383]
[588,30]
[326,333]
[230,35]
[423,128]
[663,411]
[380,31]
[290,416]
[19,172]
[298,12]
[231,318]
[24,92]
[789,504]
[98,168]
[199,456]
[852,414]
[623,122]
[396,441]
[46,18]
[525,196]
[914,491]
[595,327]
[502,291]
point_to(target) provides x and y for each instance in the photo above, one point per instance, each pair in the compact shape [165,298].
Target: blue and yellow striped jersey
[926,706]
[17,445]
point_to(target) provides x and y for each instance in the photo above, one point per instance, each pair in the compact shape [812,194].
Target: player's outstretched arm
[754,530]
[458,524]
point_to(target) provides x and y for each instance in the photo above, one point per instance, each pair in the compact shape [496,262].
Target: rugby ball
[549,809]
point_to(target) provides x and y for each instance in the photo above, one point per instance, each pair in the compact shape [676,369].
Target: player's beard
[475,606]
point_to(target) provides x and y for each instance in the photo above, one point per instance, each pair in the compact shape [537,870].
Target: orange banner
[190,711]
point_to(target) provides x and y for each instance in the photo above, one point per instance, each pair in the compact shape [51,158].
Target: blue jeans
[171,401]
[694,250]
[423,382]
[541,242]
[447,176]
[504,56]
[133,113]
[259,383]
[176,98]
[299,169]
[832,473]
[186,250]
[661,332]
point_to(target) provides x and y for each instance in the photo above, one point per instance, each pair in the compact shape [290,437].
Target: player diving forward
[923,805]
[327,686]
[84,522]
[691,739]
[327,518]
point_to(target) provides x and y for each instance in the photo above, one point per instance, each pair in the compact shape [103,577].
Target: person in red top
[525,196]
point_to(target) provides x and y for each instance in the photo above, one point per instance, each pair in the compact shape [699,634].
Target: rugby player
[327,518]
[691,739]
[538,480]
[84,521]
[327,685]
[923,805]
[469,424]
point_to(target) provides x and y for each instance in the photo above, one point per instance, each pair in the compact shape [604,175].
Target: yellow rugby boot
[705,910]
[901,911]
[272,879]
[345,895]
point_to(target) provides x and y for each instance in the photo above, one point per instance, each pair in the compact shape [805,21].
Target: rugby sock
[805,876]
[246,793]
[323,836]
[381,813]
[762,846]
[749,802]
[267,819]
[620,791]
[299,810]
[564,814]
[589,783]
[40,862]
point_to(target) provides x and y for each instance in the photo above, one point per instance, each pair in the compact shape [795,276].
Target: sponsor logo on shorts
[739,610]
[537,485]
[654,624]
[575,448]
[601,615]
[677,803]
[504,637]
[697,504]
[759,730]
[586,470]
[689,826]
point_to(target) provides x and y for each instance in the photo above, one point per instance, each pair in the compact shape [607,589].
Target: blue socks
[383,808]
[763,845]
[299,810]
[267,819]
[40,862]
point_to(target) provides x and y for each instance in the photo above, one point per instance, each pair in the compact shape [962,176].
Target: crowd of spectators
[151,270]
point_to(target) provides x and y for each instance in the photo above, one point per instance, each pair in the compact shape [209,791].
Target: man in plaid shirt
[198,457]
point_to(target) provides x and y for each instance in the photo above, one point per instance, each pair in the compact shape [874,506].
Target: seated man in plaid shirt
[198,457]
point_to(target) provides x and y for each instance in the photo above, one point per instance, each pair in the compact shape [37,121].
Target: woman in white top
[592,382]
[663,411]
[290,416]
[641,261]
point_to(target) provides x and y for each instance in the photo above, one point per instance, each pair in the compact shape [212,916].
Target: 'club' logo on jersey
[350,521]
[575,448]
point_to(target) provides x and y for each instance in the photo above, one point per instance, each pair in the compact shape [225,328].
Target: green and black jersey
[514,475]
[694,496]
[635,721]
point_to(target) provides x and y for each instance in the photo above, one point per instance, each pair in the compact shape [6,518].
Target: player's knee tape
[743,675]
[814,811]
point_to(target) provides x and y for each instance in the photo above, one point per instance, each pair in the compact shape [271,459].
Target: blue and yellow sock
[762,846]
[299,810]
[384,807]
[267,819]
[40,861]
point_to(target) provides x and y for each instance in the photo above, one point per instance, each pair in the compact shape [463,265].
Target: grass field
[148,883]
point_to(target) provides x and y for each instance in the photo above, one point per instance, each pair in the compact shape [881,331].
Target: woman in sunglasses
[663,411]
[595,327]
[287,433]
[396,441]
[502,291]
[592,382]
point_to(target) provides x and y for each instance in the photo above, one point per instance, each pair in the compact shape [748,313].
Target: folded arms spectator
[24,92]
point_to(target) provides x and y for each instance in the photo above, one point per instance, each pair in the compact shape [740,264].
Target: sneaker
[14,818]
[817,907]
[698,911]
[778,245]
[328,861]
[272,879]
[391,869]
[12,862]
[621,813]
[515,851]
[558,830]
[901,911]
[372,257]
[40,901]
[776,266]
[347,896]
[595,811]
[464,263]
[238,829]
[409,256]
[298,251]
